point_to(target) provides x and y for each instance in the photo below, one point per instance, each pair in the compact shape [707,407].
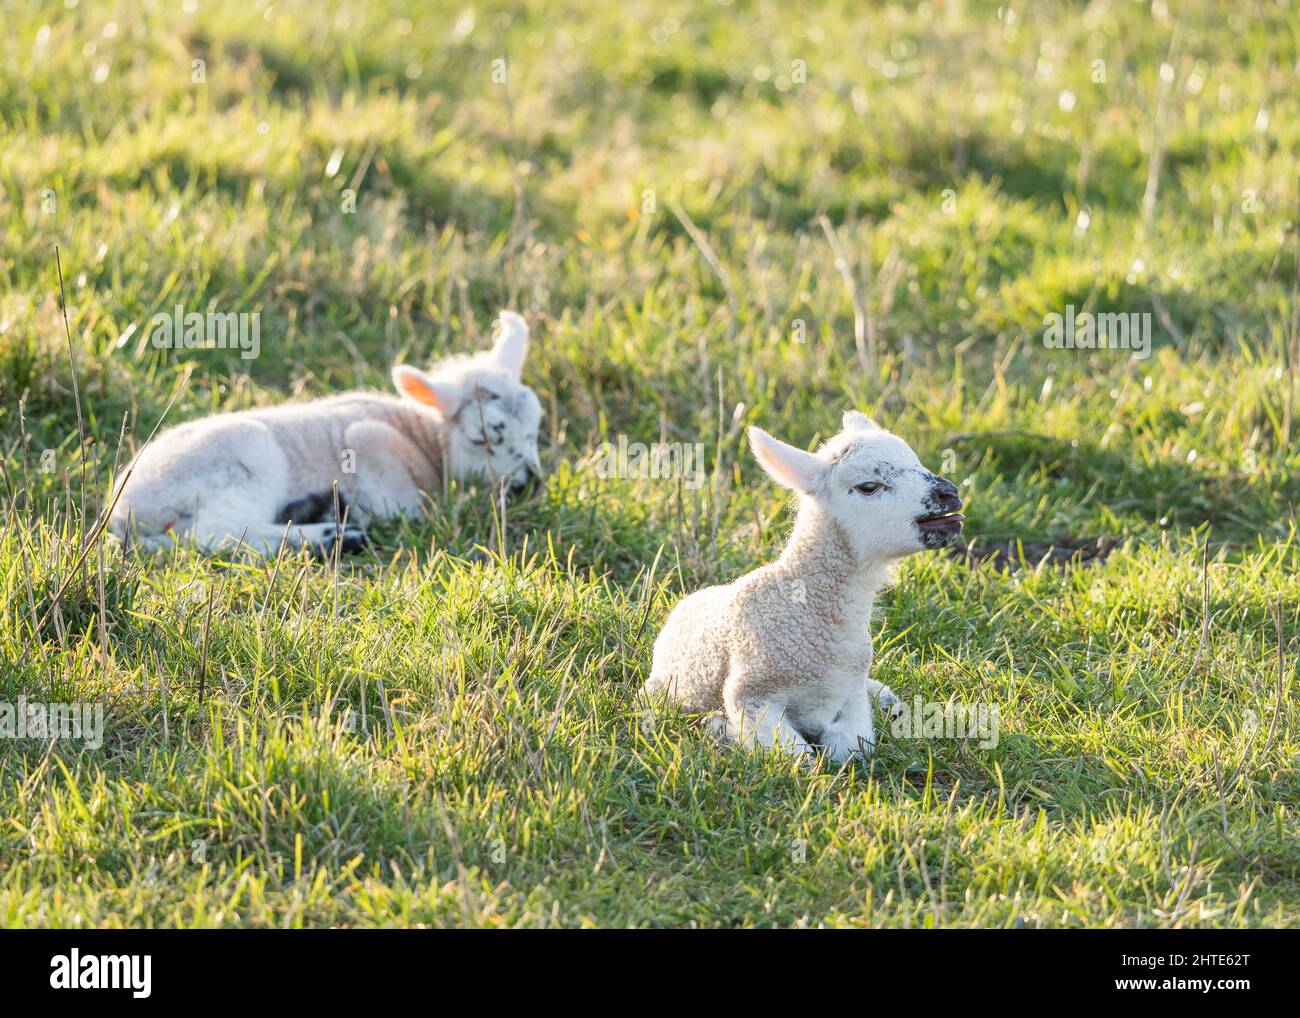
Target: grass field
[443,730]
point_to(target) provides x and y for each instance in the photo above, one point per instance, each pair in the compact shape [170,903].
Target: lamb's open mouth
[940,522]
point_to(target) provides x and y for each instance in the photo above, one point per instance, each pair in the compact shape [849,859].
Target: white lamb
[267,475]
[781,656]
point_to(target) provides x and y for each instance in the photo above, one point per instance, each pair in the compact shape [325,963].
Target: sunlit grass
[443,730]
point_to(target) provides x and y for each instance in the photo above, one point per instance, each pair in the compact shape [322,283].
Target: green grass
[444,730]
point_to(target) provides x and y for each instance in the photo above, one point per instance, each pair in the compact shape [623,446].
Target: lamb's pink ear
[424,388]
[787,465]
[511,346]
[855,420]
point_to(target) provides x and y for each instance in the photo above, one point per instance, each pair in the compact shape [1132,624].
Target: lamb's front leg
[853,731]
[763,723]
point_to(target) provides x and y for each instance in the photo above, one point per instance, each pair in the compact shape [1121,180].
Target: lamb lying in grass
[782,654]
[267,475]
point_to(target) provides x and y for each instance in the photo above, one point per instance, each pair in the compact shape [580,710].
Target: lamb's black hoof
[349,540]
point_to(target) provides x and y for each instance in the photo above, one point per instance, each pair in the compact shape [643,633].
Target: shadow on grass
[1164,491]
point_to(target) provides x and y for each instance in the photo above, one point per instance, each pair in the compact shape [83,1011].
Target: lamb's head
[487,418]
[872,484]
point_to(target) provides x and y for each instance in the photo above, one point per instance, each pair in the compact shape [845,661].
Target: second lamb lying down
[260,477]
[781,656]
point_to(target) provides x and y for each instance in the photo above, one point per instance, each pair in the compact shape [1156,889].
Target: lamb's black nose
[945,494]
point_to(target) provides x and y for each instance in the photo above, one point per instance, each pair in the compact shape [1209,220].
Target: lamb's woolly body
[782,654]
[798,617]
[262,459]
[790,636]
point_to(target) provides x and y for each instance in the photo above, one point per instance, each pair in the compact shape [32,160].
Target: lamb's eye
[868,487]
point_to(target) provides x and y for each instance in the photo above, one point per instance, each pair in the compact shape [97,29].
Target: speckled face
[493,435]
[888,503]
[486,418]
[871,484]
